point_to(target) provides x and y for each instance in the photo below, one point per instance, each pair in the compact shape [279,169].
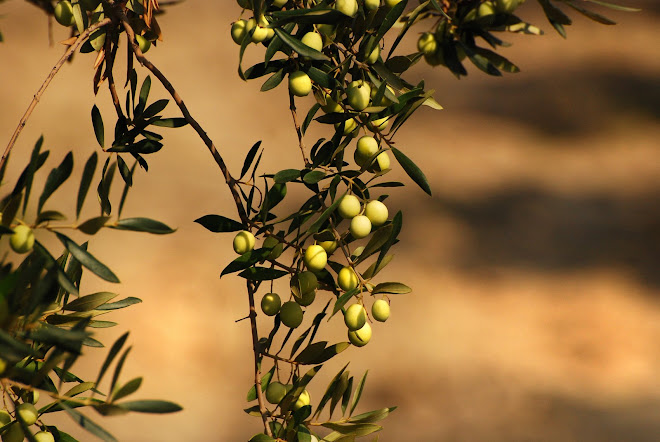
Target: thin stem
[35,100]
[231,181]
[257,359]
[292,106]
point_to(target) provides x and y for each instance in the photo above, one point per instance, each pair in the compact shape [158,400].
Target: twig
[257,353]
[231,182]
[83,36]
[292,106]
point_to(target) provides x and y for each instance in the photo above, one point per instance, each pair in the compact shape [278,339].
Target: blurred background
[535,266]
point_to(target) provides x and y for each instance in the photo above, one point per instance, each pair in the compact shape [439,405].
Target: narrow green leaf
[87,259]
[286,175]
[358,393]
[143,225]
[249,158]
[325,215]
[372,416]
[412,170]
[261,438]
[87,423]
[262,274]
[93,225]
[114,350]
[378,239]
[395,288]
[151,406]
[97,122]
[56,178]
[50,215]
[155,108]
[218,223]
[314,176]
[273,81]
[89,302]
[85,181]
[170,122]
[126,302]
[299,46]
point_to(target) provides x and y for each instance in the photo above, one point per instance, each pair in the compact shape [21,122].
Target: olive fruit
[315,258]
[360,337]
[22,240]
[358,94]
[28,413]
[377,213]
[355,317]
[275,392]
[64,13]
[349,206]
[380,310]
[347,279]
[360,227]
[300,84]
[291,314]
[270,304]
[243,242]
[347,7]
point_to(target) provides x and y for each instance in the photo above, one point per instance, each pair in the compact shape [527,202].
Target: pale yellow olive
[358,94]
[377,213]
[5,417]
[486,9]
[329,245]
[276,247]
[270,304]
[365,148]
[291,314]
[348,127]
[371,5]
[392,3]
[44,436]
[22,240]
[349,206]
[306,298]
[259,34]
[347,279]
[313,40]
[427,44]
[28,413]
[306,281]
[382,101]
[244,242]
[143,43]
[328,104]
[279,3]
[360,337]
[380,310]
[379,124]
[64,13]
[347,7]
[382,163]
[315,258]
[238,31]
[326,29]
[275,392]
[303,400]
[355,317]
[300,84]
[360,227]
[373,56]
[14,433]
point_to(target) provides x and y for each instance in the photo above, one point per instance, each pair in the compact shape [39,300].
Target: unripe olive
[379,123]
[44,436]
[5,418]
[360,227]
[328,104]
[358,94]
[305,281]
[22,240]
[380,310]
[347,127]
[365,148]
[238,31]
[349,206]
[355,317]
[300,84]
[326,29]
[306,298]
[360,337]
[143,43]
[28,413]
[276,247]
[270,304]
[259,34]
[381,163]
[244,242]
[329,245]
[427,44]
[64,13]
[315,258]
[291,314]
[377,213]
[347,7]
[313,40]
[392,3]
[371,5]
[303,400]
[14,433]
[347,279]
[382,101]
[275,392]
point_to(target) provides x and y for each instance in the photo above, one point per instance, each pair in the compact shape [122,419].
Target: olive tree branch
[252,288]
[35,100]
[292,106]
[231,181]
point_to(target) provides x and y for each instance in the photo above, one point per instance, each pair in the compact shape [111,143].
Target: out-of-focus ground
[535,266]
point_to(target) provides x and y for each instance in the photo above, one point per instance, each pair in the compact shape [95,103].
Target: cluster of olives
[64,15]
[27,412]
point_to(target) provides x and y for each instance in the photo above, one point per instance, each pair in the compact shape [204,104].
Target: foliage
[336,244]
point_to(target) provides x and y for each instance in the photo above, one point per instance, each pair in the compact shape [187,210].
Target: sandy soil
[535,314]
